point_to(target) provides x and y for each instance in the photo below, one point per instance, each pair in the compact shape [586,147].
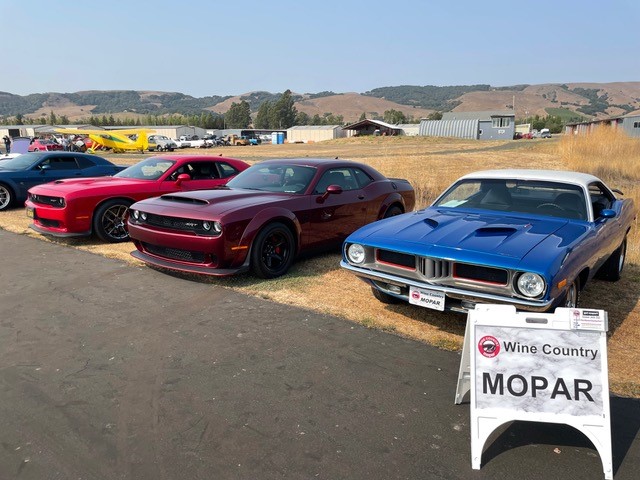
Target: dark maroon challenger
[265,217]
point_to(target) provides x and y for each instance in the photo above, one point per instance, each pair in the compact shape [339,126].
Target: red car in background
[43,145]
[265,216]
[82,206]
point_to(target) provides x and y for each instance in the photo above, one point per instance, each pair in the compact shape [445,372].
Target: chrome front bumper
[469,296]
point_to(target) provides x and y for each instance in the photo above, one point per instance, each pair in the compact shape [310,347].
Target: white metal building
[315,133]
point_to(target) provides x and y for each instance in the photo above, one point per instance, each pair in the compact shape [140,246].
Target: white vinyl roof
[575,178]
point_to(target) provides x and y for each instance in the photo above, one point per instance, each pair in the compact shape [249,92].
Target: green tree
[394,117]
[317,120]
[363,116]
[53,120]
[263,117]
[435,116]
[283,113]
[303,119]
[238,115]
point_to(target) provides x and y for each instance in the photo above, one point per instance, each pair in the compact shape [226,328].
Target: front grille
[396,258]
[56,202]
[433,268]
[481,274]
[174,253]
[174,223]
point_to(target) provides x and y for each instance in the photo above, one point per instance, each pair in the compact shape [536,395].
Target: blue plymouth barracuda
[530,238]
[19,174]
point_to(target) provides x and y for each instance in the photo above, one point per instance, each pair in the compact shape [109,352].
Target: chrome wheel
[5,197]
[573,295]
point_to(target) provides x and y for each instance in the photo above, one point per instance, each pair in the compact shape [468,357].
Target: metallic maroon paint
[264,225]
[67,208]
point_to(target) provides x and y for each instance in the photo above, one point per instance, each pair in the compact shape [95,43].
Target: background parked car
[43,145]
[80,207]
[19,174]
[161,143]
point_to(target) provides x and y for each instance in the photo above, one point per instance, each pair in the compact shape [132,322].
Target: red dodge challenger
[264,217]
[80,206]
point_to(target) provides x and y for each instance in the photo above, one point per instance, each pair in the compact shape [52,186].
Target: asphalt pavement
[109,371]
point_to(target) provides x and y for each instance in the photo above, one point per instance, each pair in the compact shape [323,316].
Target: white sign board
[537,367]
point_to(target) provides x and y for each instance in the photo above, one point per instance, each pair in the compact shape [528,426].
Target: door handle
[360,197]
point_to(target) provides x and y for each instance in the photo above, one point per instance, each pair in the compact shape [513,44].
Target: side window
[84,162]
[336,176]
[204,170]
[600,198]
[361,177]
[61,163]
[184,168]
[226,170]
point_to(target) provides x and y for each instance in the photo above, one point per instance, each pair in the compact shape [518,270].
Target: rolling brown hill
[579,99]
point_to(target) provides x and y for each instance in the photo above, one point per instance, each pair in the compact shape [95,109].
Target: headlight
[530,284]
[206,225]
[355,253]
[143,216]
[135,214]
[217,227]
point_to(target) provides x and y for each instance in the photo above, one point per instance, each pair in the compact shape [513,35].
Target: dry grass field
[431,165]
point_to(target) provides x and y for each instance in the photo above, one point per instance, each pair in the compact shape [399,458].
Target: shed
[492,124]
[450,128]
[630,124]
[373,127]
[409,129]
[17,131]
[316,133]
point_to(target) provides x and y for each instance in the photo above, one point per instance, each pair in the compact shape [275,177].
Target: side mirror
[183,177]
[607,213]
[331,190]
[44,168]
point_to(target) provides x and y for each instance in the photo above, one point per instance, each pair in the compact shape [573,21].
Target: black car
[19,174]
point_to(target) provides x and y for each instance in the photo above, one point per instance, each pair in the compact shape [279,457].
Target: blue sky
[204,48]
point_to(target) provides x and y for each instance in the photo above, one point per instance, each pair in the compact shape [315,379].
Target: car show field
[430,165]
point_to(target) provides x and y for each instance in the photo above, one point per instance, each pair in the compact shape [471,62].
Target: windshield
[21,162]
[274,178]
[525,196]
[149,169]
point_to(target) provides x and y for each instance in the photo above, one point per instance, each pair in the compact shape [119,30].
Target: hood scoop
[431,222]
[191,201]
[495,231]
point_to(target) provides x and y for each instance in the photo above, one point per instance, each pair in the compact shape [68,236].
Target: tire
[272,251]
[6,197]
[571,298]
[385,297]
[611,270]
[392,211]
[110,221]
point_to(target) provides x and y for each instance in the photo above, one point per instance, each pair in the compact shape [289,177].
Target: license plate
[426,298]
[30,212]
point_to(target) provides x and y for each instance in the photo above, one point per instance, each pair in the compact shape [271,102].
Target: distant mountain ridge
[570,99]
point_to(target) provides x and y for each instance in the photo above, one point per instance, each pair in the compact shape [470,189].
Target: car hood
[69,185]
[210,203]
[447,233]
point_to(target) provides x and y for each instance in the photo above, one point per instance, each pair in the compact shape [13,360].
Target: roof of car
[312,162]
[576,178]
